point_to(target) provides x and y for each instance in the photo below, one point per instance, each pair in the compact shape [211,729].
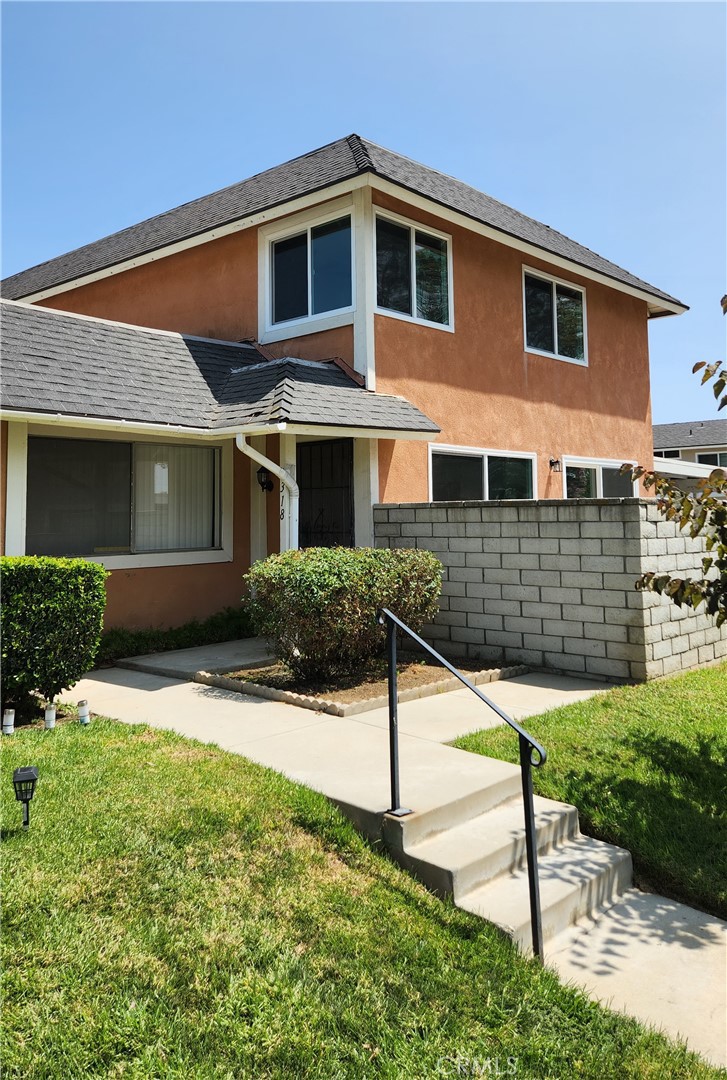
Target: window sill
[162,558]
[312,325]
[447,327]
[557,356]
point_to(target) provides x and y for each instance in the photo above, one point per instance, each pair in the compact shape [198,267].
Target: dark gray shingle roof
[57,363]
[691,433]
[319,169]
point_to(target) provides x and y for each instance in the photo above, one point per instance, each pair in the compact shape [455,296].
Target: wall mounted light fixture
[263,479]
[555,464]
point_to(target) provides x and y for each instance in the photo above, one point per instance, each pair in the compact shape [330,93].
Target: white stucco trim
[16,491]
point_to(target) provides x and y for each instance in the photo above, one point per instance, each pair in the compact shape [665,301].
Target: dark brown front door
[325,478]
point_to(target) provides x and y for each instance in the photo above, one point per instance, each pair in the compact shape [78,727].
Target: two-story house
[259,367]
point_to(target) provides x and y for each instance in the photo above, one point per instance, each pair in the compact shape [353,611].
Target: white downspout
[285,478]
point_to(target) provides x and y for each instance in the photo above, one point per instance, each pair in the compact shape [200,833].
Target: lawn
[645,765]
[176,911]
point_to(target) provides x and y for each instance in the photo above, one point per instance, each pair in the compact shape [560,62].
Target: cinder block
[381,513]
[655,547]
[581,580]
[560,530]
[560,562]
[602,529]
[584,646]
[503,607]
[627,582]
[484,559]
[565,661]
[624,616]
[464,513]
[466,543]
[624,650]
[523,626]
[676,545]
[578,511]
[447,528]
[468,634]
[436,544]
[605,631]
[520,562]
[515,591]
[466,603]
[539,610]
[454,588]
[557,595]
[562,627]
[672,664]
[611,669]
[602,564]
[487,592]
[510,578]
[543,641]
[584,612]
[540,577]
[641,635]
[720,648]
[396,514]
[601,598]
[431,513]
[520,528]
[465,573]
[660,649]
[499,544]
[387,529]
[581,547]
[532,657]
[539,546]
[485,528]
[537,513]
[505,639]
[485,622]
[416,528]
[451,618]
[705,654]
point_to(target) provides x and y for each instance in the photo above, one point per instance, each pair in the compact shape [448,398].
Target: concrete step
[459,797]
[458,860]
[576,879]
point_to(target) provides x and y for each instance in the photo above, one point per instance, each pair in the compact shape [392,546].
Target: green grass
[177,912]
[645,765]
[225,625]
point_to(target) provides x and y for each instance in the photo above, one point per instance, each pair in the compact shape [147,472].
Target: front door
[325,479]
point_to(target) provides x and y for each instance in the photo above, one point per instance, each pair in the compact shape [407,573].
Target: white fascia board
[682,467]
[326,431]
[283,210]
[130,427]
[436,209]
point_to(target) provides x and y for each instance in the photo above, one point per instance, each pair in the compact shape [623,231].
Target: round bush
[52,613]
[318,606]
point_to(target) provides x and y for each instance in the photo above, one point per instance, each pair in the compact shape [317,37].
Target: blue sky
[607,121]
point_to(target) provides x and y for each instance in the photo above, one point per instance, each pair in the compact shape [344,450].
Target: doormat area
[367,695]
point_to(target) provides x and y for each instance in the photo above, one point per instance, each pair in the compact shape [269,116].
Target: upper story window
[668,453]
[555,317]
[719,459]
[311,271]
[413,272]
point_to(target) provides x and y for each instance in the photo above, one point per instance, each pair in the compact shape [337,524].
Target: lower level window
[459,476]
[88,497]
[597,482]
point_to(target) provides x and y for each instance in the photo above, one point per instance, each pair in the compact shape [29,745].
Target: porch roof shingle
[57,363]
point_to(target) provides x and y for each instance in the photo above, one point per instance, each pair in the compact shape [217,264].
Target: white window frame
[544,276]
[484,453]
[296,226]
[598,464]
[16,497]
[712,453]
[415,226]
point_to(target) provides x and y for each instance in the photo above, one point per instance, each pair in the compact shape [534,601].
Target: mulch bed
[363,686]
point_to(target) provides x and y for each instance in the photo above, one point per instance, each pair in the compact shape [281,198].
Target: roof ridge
[361,156]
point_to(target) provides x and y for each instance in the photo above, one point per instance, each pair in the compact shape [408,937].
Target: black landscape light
[24,781]
[263,479]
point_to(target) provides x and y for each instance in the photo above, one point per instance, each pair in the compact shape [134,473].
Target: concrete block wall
[551,584]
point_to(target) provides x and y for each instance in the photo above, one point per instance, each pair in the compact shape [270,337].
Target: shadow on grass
[667,813]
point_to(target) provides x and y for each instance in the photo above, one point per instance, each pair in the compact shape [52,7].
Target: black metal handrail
[528,747]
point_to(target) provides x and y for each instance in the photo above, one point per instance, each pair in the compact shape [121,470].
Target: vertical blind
[174,498]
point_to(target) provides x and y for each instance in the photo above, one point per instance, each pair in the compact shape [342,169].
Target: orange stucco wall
[484,390]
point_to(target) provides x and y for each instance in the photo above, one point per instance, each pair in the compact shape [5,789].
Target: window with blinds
[89,497]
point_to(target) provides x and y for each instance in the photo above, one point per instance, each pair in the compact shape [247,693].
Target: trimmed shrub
[52,612]
[225,625]
[318,606]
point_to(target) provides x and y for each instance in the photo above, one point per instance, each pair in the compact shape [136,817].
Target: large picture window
[412,272]
[88,497]
[311,271]
[555,321]
[470,474]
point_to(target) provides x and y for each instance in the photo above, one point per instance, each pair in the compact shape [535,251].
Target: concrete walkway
[647,956]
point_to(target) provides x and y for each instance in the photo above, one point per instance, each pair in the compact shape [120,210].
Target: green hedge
[318,606]
[225,625]
[52,612]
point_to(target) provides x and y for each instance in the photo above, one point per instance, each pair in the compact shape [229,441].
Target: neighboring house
[359,325]
[690,450]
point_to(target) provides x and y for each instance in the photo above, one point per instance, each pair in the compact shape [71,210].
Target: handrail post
[531,846]
[396,808]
